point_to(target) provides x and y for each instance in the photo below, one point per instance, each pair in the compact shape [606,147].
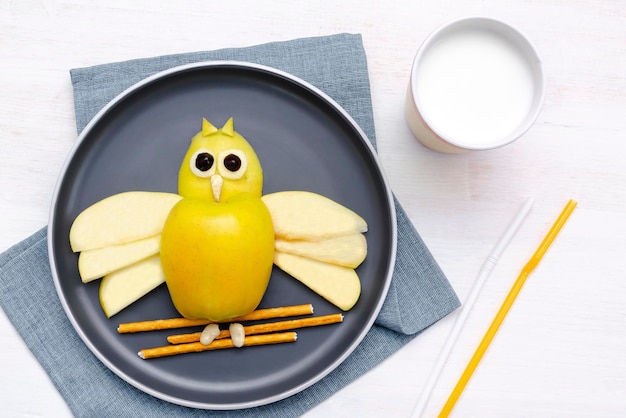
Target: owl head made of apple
[219,164]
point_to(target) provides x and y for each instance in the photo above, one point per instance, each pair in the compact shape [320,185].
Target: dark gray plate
[305,141]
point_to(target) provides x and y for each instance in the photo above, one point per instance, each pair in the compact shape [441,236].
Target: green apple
[217,246]
[338,285]
[120,219]
[344,250]
[123,287]
[96,263]
[300,215]
[217,257]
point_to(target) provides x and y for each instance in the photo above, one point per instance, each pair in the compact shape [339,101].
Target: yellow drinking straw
[504,309]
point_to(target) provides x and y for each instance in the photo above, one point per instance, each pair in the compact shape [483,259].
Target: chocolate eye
[202,163]
[232,164]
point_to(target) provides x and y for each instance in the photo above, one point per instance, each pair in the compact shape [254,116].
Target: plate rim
[51,231]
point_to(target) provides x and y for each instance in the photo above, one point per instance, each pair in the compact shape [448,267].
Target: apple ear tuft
[207,127]
[228,127]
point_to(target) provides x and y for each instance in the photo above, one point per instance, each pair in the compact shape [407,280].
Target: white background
[560,352]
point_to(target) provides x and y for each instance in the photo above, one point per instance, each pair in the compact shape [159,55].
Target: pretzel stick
[268,313]
[171,350]
[158,324]
[263,328]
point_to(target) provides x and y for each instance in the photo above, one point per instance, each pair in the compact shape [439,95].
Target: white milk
[474,87]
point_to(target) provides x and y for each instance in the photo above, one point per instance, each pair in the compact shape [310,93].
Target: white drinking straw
[484,272]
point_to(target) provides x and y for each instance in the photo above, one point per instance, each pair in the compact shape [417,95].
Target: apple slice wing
[96,263]
[337,284]
[120,219]
[123,287]
[301,215]
[344,250]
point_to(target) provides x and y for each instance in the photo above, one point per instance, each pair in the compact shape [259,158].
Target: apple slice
[310,216]
[123,287]
[345,250]
[338,285]
[93,264]
[121,218]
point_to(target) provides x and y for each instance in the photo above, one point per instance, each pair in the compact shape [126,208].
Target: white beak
[216,184]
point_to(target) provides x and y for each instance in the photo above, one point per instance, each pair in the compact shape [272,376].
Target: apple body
[217,257]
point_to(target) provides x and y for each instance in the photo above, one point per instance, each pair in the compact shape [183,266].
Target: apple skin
[201,254]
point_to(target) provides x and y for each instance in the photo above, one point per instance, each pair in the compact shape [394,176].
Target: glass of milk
[476,84]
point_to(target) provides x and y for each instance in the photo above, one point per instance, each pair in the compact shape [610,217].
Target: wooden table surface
[560,352]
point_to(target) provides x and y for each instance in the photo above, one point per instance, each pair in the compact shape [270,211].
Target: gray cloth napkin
[419,294]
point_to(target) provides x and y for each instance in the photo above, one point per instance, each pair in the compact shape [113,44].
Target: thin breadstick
[263,328]
[158,324]
[267,313]
[171,350]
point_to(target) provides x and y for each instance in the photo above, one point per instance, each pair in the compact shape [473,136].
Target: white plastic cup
[476,84]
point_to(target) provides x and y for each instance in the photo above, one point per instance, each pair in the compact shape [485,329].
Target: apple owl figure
[215,242]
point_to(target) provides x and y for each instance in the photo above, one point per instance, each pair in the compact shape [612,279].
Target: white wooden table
[560,351]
